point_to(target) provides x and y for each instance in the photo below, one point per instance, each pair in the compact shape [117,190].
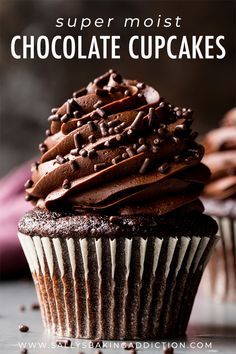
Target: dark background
[29,88]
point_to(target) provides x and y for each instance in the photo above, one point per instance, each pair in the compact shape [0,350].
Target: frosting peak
[117,146]
[220,147]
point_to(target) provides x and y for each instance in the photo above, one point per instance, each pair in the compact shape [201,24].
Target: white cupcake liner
[117,288]
[220,277]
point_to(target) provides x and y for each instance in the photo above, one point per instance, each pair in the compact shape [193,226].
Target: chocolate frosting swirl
[118,147]
[220,157]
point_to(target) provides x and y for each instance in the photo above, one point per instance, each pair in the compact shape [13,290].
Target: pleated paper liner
[219,280]
[117,288]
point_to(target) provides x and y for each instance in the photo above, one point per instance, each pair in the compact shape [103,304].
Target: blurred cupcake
[118,241]
[220,202]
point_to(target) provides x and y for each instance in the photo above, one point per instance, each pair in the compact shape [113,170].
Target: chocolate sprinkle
[130,133]
[54,110]
[137,123]
[180,130]
[162,104]
[48,132]
[107,143]
[151,116]
[54,118]
[130,151]
[23,328]
[83,152]
[74,152]
[117,78]
[111,131]
[103,129]
[65,118]
[141,141]
[144,166]
[156,141]
[66,184]
[101,112]
[80,92]
[28,197]
[178,113]
[92,153]
[142,148]
[162,131]
[97,104]
[101,80]
[140,85]
[60,159]
[177,158]
[43,148]
[77,140]
[189,159]
[155,149]
[80,123]
[114,123]
[116,159]
[118,129]
[35,165]
[91,138]
[101,92]
[99,166]
[76,114]
[28,183]
[92,125]
[64,342]
[164,168]
[119,137]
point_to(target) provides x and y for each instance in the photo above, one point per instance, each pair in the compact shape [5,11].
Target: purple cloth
[12,208]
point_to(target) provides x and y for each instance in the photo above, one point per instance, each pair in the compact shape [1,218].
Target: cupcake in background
[118,240]
[219,198]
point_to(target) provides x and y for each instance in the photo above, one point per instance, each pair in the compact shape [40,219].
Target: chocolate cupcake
[219,197]
[117,241]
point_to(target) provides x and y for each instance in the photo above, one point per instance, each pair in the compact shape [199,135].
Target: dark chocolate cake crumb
[113,219]
[23,328]
[35,306]
[168,350]
[22,308]
[24,351]
[63,342]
